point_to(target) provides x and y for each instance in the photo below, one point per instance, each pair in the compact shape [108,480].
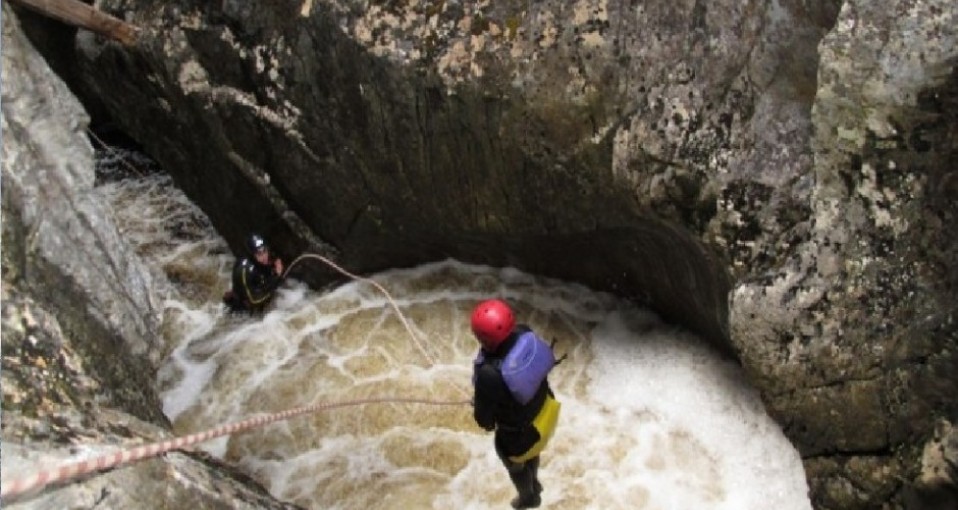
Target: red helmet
[492,321]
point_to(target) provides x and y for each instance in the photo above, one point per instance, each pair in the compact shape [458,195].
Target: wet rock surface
[78,323]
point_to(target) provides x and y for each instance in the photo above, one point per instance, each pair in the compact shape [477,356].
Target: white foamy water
[651,417]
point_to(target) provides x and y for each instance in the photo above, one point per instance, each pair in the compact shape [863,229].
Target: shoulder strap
[552,346]
[248,269]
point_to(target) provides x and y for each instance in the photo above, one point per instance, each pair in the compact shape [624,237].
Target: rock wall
[347,143]
[58,241]
[78,319]
[858,357]
[776,176]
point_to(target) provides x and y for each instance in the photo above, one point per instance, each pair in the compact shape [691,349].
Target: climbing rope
[72,470]
[392,302]
[374,283]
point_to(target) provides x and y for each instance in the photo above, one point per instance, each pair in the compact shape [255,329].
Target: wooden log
[77,13]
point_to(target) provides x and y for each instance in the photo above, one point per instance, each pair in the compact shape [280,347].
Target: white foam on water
[651,417]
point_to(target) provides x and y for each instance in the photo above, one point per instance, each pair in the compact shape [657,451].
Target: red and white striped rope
[72,470]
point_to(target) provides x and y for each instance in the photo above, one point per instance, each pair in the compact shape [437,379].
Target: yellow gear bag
[545,423]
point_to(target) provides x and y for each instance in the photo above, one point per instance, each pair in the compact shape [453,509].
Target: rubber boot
[523,476]
[534,467]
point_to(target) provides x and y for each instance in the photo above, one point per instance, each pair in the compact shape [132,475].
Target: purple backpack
[526,366]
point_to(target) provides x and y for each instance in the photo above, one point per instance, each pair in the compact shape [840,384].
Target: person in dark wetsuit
[255,278]
[495,407]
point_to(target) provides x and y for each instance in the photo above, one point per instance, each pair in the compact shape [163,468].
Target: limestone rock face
[58,240]
[78,321]
[776,176]
[53,414]
[853,336]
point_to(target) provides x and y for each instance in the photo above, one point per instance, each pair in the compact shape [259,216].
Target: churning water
[651,417]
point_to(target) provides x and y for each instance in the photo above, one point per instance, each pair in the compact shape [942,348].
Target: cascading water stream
[651,417]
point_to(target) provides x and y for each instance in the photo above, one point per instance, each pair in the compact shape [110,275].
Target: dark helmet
[492,321]
[255,243]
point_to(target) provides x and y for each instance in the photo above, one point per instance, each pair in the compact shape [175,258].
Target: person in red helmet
[512,394]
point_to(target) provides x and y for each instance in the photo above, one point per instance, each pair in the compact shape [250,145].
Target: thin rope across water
[68,471]
[374,283]
[392,302]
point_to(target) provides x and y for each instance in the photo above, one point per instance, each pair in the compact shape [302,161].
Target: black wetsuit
[253,285]
[496,408]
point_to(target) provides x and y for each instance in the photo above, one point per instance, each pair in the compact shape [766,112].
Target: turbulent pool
[651,417]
